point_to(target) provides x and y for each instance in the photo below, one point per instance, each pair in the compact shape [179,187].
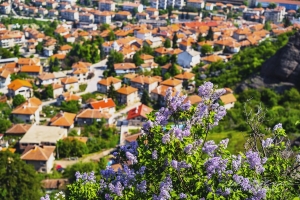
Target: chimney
[105,100]
[136,109]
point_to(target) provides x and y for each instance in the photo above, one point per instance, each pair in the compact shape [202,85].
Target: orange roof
[126,13]
[194,99]
[142,110]
[28,61]
[25,109]
[38,153]
[106,103]
[18,129]
[127,90]
[80,71]
[212,58]
[31,68]
[71,97]
[56,86]
[33,101]
[228,98]
[81,65]
[5,73]
[65,47]
[161,50]
[16,84]
[63,119]
[185,75]
[130,76]
[162,89]
[69,80]
[81,139]
[93,114]
[59,56]
[46,76]
[109,80]
[146,57]
[171,82]
[144,79]
[124,66]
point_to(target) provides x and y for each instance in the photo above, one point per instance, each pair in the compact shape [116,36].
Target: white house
[104,84]
[125,68]
[5,78]
[5,8]
[228,100]
[189,58]
[70,84]
[106,105]
[209,6]
[129,6]
[144,34]
[20,87]
[127,95]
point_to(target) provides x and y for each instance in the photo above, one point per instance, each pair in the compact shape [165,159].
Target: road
[22,17]
[98,70]
[94,156]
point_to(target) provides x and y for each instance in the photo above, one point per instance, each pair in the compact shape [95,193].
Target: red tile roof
[141,110]
[108,103]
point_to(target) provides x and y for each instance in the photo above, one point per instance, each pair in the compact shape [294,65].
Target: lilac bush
[173,159]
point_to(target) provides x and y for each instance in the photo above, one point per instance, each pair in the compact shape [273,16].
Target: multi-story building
[86,17]
[12,38]
[106,5]
[171,3]
[102,17]
[273,15]
[129,6]
[162,4]
[70,15]
[5,8]
[154,4]
[179,3]
[195,3]
[152,11]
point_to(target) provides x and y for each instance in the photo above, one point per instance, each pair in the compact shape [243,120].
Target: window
[42,162]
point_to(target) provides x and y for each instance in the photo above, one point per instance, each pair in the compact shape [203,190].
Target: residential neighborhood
[93,71]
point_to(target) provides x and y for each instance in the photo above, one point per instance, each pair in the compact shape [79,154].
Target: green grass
[236,139]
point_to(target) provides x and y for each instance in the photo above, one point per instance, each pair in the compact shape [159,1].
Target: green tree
[167,76]
[157,71]
[136,59]
[18,179]
[167,43]
[200,38]
[272,5]
[5,53]
[4,124]
[79,167]
[48,92]
[205,49]
[70,106]
[259,5]
[113,58]
[174,40]
[170,10]
[18,100]
[173,70]
[287,22]
[210,34]
[267,26]
[54,65]
[39,48]
[71,147]
[111,92]
[134,12]
[16,50]
[146,100]
[245,3]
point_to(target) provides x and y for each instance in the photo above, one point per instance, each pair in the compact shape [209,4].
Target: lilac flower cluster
[154,154]
[182,196]
[224,143]
[298,158]
[85,177]
[267,143]
[165,187]
[131,158]
[255,161]
[220,112]
[224,193]
[142,187]
[277,126]
[236,162]
[179,133]
[206,90]
[190,148]
[209,147]
[176,103]
[46,197]
[180,165]
[257,191]
[215,165]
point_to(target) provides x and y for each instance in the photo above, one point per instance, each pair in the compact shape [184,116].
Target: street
[98,70]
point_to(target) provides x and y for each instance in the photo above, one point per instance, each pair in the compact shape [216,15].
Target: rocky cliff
[281,71]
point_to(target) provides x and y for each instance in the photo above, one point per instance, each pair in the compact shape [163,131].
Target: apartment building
[103,17]
[86,17]
[129,6]
[5,8]
[70,15]
[195,3]
[106,5]
[11,38]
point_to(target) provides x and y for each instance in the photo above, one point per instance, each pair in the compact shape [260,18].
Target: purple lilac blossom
[117,189]
[206,90]
[165,187]
[166,138]
[220,113]
[201,112]
[243,182]
[86,177]
[188,149]
[182,196]
[266,143]
[236,162]
[215,165]
[277,126]
[180,165]
[108,197]
[147,125]
[154,155]
[224,143]
[217,93]
[142,187]
[131,157]
[46,197]
[142,170]
[255,161]
[209,147]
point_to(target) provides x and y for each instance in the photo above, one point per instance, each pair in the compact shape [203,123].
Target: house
[130,6]
[69,15]
[194,99]
[50,185]
[80,64]
[152,11]
[209,6]
[31,70]
[147,58]
[107,105]
[86,17]
[144,34]
[188,58]
[154,42]
[5,8]
[165,68]
[173,83]
[70,84]
[123,15]
[63,120]
[81,74]
[29,111]
[42,158]
[68,96]
[18,129]
[103,17]
[127,95]
[148,66]
[228,100]
[104,84]
[241,34]
[88,116]
[28,61]
[125,68]
[42,135]
[42,11]
[106,5]
[185,45]
[46,79]
[186,78]
[53,13]
[138,115]
[57,89]
[21,87]
[144,83]
[51,4]
[142,15]
[5,78]
[128,77]
[195,4]
[211,59]
[159,93]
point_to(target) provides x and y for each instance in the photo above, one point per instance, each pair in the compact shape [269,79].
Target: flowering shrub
[173,159]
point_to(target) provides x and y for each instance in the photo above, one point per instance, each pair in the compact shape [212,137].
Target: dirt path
[87,158]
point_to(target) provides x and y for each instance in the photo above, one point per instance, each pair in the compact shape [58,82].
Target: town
[79,78]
